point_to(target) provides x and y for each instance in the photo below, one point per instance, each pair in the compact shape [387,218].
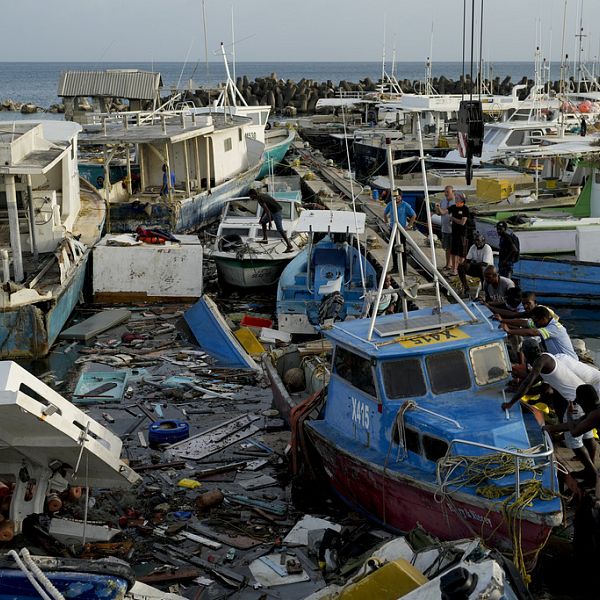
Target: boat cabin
[199,153]
[240,221]
[451,370]
[39,190]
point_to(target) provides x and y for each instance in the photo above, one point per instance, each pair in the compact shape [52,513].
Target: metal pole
[107,188]
[13,221]
[129,182]
[428,212]
[381,281]
[32,231]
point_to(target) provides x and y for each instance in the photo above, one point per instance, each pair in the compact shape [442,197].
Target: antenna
[232,44]
[205,37]
[383,56]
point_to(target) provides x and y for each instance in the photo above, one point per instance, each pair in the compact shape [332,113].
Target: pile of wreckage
[161,471]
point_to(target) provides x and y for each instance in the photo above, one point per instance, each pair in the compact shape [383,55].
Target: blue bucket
[375,194]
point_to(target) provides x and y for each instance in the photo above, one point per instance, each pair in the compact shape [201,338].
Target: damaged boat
[52,225]
[330,279]
[242,259]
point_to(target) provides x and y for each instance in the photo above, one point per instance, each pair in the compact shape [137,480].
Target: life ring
[230,242]
[168,431]
[267,126]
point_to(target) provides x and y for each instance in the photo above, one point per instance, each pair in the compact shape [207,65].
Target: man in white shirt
[478,258]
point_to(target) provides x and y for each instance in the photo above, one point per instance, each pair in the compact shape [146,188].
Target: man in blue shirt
[553,335]
[406,218]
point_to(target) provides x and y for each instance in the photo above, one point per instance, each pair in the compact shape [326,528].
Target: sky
[288,30]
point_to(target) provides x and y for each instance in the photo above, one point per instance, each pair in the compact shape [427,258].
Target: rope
[478,471]
[44,585]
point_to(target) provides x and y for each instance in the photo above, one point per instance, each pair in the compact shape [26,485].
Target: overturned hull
[28,330]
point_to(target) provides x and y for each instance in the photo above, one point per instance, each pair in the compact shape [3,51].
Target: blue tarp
[214,335]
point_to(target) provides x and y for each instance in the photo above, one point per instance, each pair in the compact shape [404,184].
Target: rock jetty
[288,96]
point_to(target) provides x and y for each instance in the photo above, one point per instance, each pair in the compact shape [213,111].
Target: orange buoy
[7,531]
[53,503]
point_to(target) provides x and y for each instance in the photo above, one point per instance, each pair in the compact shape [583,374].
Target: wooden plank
[95,325]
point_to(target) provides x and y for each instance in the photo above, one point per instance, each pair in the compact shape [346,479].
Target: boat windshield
[355,369]
[448,372]
[403,378]
[489,363]
[242,208]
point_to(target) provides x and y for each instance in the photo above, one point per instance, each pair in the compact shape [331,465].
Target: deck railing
[518,455]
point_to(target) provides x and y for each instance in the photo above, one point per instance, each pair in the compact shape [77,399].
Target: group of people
[462,257]
[545,360]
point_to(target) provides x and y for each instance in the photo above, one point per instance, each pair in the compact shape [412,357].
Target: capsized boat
[241,259]
[330,278]
[43,254]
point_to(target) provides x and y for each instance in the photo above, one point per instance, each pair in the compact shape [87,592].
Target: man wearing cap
[478,258]
[406,218]
[459,215]
[509,249]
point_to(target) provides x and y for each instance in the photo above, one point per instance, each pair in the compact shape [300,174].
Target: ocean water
[37,82]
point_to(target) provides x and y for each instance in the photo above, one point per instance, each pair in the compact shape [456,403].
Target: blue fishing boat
[412,431]
[81,579]
[329,279]
[559,281]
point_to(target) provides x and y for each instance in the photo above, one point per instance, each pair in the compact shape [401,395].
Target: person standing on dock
[510,249]
[406,218]
[271,212]
[441,208]
[583,127]
[459,215]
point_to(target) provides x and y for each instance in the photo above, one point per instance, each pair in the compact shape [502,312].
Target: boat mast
[383,57]
[232,44]
[430,265]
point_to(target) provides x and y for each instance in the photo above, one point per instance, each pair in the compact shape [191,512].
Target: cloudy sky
[286,30]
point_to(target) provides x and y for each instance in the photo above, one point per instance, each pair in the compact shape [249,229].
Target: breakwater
[302,96]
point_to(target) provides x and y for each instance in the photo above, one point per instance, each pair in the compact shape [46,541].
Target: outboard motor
[470,133]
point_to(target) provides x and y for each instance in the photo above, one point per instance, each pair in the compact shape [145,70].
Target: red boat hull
[400,503]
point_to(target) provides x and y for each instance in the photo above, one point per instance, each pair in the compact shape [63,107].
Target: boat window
[242,208]
[413,442]
[228,144]
[355,369]
[286,210]
[403,378]
[434,448]
[240,134]
[489,363]
[448,372]
[516,138]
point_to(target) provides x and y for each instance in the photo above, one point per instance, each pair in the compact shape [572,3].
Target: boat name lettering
[449,335]
[360,413]
[467,513]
